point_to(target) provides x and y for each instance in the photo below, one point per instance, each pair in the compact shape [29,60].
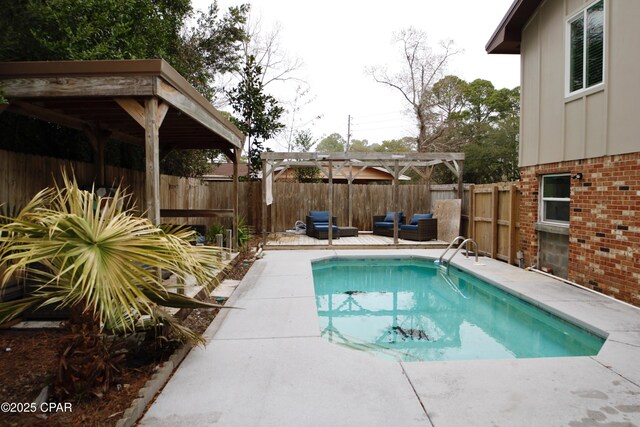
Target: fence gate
[493,219]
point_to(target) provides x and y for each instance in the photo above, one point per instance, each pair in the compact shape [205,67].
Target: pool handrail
[465,242]
[453,242]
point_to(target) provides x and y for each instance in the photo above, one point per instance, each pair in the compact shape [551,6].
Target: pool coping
[560,391]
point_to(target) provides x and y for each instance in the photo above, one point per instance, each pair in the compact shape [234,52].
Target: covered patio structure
[348,166]
[143,102]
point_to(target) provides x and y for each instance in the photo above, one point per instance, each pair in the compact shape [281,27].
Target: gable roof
[506,38]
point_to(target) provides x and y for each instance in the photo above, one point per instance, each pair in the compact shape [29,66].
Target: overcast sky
[337,40]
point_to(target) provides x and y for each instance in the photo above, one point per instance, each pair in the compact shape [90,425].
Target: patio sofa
[318,225]
[383,224]
[422,227]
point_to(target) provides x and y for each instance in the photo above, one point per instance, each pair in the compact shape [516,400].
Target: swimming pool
[411,310]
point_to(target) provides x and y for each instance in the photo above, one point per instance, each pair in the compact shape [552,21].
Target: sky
[336,40]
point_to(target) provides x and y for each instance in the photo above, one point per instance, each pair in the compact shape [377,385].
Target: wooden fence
[489,212]
[493,219]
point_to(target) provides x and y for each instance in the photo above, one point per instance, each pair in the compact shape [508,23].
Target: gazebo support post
[236,204]
[152,159]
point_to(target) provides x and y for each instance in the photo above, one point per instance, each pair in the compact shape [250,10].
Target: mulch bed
[28,363]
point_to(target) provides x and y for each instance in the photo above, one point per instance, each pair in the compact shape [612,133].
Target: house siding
[604,233]
[598,122]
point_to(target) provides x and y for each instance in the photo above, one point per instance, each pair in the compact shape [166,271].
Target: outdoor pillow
[416,217]
[389,217]
[320,216]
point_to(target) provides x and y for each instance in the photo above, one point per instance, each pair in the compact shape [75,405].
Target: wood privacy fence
[24,175]
[489,212]
[494,219]
[293,201]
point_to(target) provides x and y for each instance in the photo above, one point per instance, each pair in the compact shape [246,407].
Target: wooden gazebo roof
[144,102]
[110,95]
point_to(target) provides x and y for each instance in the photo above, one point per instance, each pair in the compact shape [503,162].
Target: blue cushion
[389,217]
[416,217]
[319,224]
[326,228]
[408,227]
[319,216]
[384,224]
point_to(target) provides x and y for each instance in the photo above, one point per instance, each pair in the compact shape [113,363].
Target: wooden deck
[364,240]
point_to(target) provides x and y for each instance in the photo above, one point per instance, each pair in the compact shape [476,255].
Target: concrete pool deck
[266,364]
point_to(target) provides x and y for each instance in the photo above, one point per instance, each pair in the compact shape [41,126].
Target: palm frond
[93,252]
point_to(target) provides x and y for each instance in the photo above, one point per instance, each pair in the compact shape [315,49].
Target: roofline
[125,67]
[506,38]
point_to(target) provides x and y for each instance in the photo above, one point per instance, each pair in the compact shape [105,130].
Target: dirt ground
[28,364]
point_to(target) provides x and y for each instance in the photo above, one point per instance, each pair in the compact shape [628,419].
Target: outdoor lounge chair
[422,227]
[318,225]
[383,224]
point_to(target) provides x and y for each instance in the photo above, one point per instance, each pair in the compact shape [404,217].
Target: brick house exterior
[588,136]
[604,236]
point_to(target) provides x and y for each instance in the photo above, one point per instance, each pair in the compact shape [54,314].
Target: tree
[115,29]
[402,145]
[259,113]
[304,142]
[333,143]
[482,121]
[359,146]
[421,69]
[212,48]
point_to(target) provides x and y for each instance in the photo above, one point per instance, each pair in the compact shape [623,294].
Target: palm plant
[96,257]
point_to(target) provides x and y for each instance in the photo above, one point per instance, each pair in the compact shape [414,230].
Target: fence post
[495,200]
[472,211]
[513,206]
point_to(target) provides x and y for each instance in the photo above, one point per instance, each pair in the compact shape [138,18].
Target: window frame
[567,79]
[541,205]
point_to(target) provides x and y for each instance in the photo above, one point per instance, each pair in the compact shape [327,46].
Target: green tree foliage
[360,146]
[402,145]
[482,121]
[304,142]
[259,113]
[32,30]
[333,143]
[189,163]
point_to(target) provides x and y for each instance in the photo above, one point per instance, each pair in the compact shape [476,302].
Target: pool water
[411,310]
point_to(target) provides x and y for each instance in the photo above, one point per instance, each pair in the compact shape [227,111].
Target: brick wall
[604,234]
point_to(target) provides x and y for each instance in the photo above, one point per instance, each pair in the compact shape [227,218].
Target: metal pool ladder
[453,242]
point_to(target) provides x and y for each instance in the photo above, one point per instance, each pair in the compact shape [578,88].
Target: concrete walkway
[266,364]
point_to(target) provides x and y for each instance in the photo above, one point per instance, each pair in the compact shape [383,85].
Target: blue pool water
[409,309]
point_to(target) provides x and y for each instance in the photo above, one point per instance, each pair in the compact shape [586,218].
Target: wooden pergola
[344,164]
[143,102]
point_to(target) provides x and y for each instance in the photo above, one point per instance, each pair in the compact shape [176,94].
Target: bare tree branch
[421,68]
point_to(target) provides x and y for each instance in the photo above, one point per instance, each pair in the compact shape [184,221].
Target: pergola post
[264,202]
[395,201]
[460,180]
[152,159]
[350,195]
[330,231]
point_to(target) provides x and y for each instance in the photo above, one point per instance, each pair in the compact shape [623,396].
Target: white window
[555,194]
[586,48]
